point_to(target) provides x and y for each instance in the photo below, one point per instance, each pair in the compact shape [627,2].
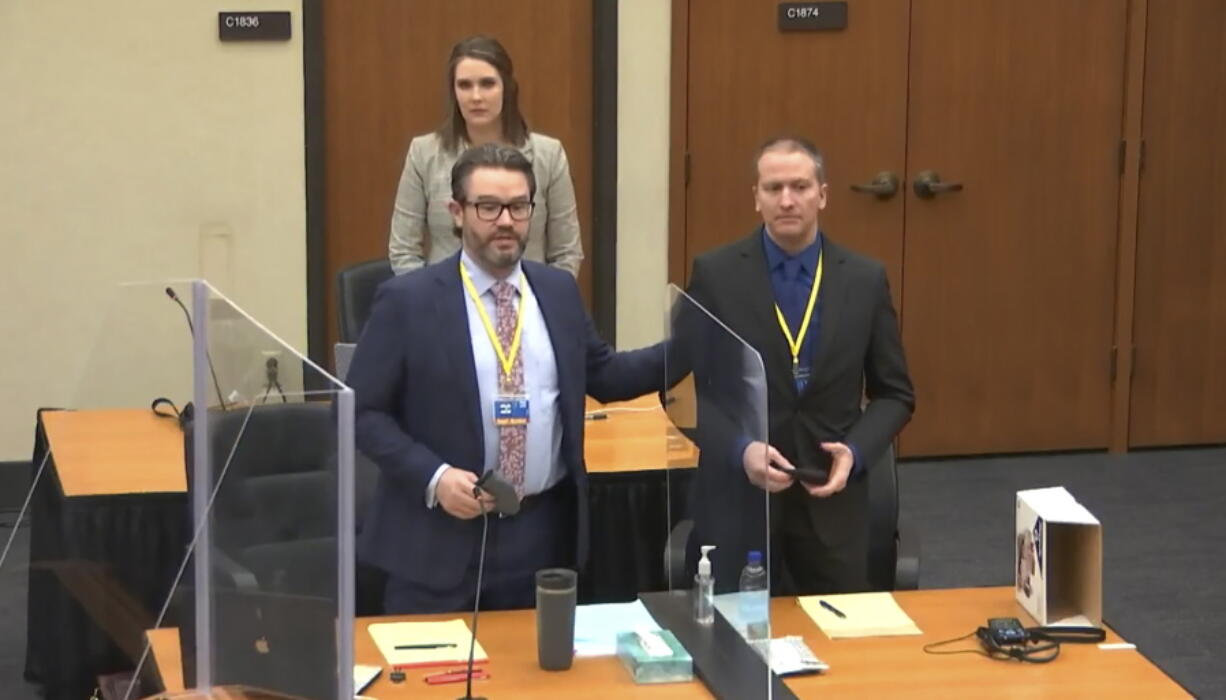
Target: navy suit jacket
[417,406]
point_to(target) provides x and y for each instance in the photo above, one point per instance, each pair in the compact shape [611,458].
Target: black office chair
[274,515]
[356,287]
[893,551]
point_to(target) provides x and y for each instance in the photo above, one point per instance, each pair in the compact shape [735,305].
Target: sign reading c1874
[812,16]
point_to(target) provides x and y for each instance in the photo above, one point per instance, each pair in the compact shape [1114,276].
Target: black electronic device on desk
[1005,639]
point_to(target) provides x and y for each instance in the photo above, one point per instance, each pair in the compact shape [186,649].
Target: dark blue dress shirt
[792,280]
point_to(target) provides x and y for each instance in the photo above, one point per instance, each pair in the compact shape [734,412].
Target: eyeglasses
[492,211]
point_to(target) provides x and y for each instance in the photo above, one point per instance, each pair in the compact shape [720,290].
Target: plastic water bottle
[754,602]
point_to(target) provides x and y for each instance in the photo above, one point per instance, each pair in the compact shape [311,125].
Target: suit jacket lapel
[755,288]
[452,321]
[833,297]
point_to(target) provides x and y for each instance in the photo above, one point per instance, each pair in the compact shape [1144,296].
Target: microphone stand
[270,373]
[472,643]
[191,327]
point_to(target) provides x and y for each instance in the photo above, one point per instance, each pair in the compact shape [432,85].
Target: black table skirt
[631,520]
[132,546]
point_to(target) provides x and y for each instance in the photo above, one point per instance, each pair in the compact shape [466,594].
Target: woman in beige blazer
[483,107]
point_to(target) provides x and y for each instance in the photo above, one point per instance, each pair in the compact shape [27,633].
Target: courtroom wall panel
[137,146]
[384,82]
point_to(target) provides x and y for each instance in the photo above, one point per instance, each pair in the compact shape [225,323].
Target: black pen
[832,609]
[437,645]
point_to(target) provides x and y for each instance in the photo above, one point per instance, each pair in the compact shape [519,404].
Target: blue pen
[832,609]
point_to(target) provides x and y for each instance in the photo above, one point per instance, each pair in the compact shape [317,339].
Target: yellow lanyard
[794,343]
[506,359]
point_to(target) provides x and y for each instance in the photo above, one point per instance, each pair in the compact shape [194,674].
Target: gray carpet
[1163,528]
[1163,525]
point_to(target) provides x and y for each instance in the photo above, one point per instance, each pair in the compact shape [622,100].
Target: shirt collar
[776,256]
[483,281]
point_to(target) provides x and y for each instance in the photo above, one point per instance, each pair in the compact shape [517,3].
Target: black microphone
[506,503]
[186,314]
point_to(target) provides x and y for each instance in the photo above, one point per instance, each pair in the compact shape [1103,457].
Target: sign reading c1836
[253,26]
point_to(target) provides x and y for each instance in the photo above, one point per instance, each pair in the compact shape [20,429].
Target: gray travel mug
[555,618]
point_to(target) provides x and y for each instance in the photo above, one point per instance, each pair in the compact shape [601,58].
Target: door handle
[883,186]
[928,185]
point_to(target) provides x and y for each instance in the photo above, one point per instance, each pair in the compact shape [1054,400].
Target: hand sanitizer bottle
[704,589]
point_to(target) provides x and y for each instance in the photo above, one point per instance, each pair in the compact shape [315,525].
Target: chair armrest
[907,567]
[234,573]
[674,554]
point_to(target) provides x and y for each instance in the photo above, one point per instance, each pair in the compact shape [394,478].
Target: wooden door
[1179,330]
[1008,285]
[844,90]
[385,67]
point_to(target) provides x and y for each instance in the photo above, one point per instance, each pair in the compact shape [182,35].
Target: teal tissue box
[654,656]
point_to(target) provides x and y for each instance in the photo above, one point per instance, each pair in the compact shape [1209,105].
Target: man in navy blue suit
[481,363]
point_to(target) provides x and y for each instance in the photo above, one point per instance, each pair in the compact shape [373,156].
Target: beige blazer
[423,231]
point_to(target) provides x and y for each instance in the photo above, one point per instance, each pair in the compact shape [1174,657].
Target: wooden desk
[636,436]
[122,451]
[860,668]
[112,452]
[166,655]
[898,666]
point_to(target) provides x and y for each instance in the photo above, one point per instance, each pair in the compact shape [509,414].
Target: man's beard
[499,259]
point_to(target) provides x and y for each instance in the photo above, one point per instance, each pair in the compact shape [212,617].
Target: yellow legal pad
[432,643]
[867,615]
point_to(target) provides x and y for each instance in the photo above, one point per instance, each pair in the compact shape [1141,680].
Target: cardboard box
[1058,559]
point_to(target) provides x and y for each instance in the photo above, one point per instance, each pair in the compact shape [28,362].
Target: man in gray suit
[822,319]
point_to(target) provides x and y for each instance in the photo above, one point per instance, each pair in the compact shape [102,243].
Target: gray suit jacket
[423,231]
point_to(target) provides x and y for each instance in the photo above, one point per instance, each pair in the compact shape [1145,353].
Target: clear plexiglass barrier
[190,522]
[717,398]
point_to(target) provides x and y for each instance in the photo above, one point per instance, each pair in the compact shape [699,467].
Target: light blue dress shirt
[542,461]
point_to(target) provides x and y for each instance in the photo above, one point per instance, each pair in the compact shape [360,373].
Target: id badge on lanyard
[800,375]
[510,409]
[801,372]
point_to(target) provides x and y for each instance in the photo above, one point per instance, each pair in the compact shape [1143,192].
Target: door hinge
[1123,149]
[1113,361]
[687,168]
[1141,157]
[1132,362]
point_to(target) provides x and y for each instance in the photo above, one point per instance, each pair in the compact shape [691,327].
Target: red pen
[422,667]
[458,675]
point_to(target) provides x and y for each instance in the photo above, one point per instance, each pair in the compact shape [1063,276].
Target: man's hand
[840,469]
[766,468]
[454,493]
